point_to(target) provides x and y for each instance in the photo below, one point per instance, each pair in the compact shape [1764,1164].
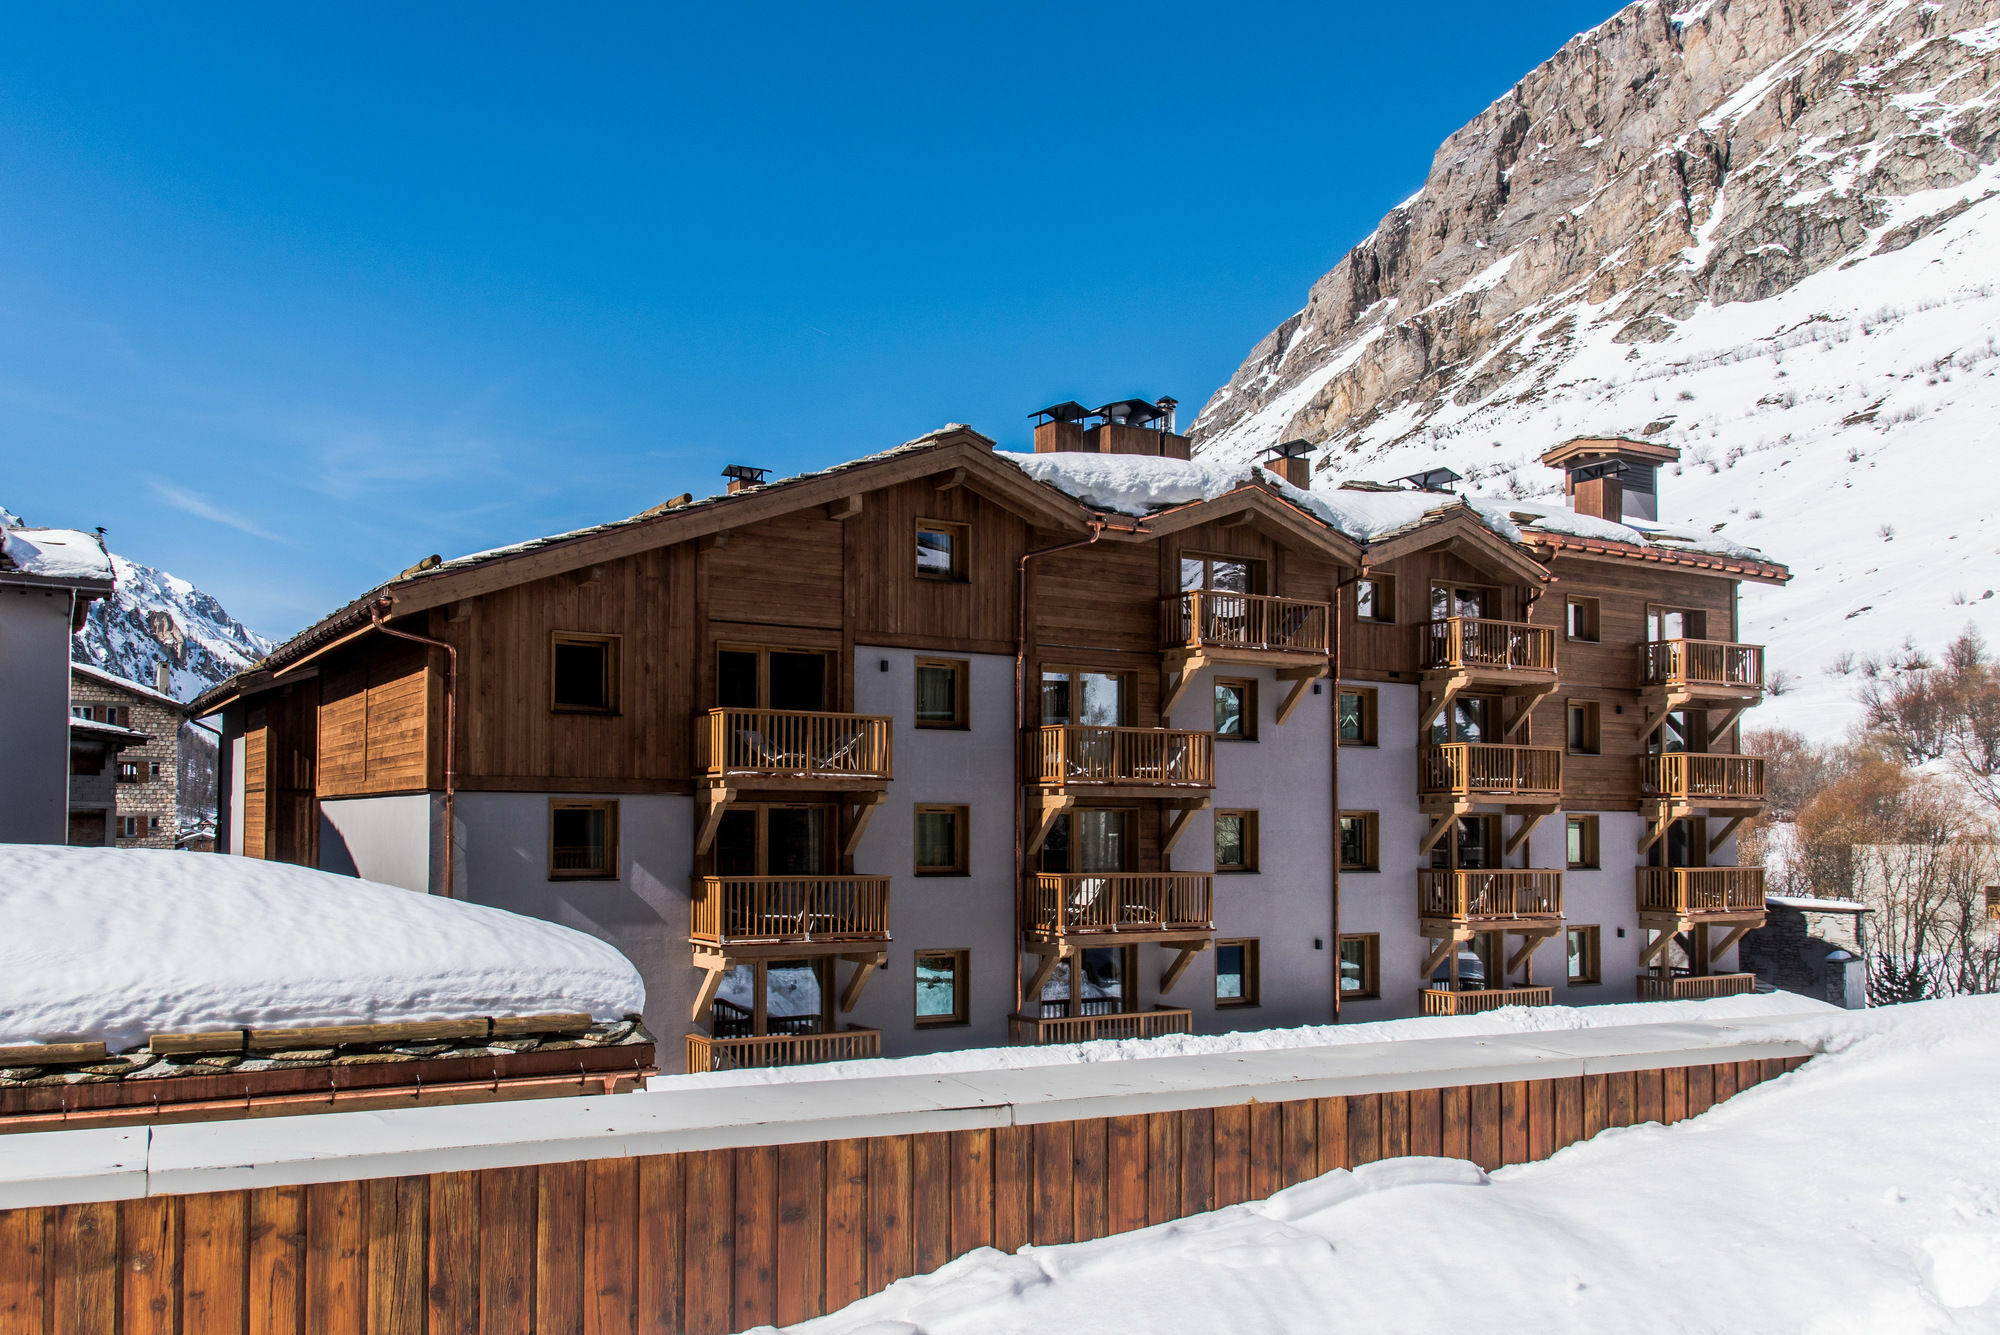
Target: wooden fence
[720,1240]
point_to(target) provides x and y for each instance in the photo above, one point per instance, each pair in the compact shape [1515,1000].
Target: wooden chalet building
[950,747]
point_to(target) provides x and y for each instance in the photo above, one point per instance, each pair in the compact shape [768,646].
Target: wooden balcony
[1490,651]
[1440,1001]
[800,914]
[1489,772]
[1701,894]
[733,1054]
[1489,900]
[775,748]
[1132,762]
[1707,668]
[1245,627]
[1694,779]
[1161,906]
[1652,987]
[1034,1030]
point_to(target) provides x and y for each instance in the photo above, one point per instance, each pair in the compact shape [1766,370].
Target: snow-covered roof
[60,554]
[1538,517]
[118,944]
[1814,905]
[98,728]
[117,682]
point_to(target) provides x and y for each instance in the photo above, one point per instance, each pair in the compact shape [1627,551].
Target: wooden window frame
[1592,849]
[961,550]
[1385,596]
[1593,731]
[1664,610]
[1370,697]
[609,806]
[1259,578]
[1249,866]
[1249,715]
[961,841]
[1371,966]
[961,668]
[1993,903]
[1592,617]
[1252,995]
[137,773]
[763,652]
[1496,597]
[1129,814]
[961,985]
[1371,835]
[610,645]
[761,812]
[1593,954]
[1128,693]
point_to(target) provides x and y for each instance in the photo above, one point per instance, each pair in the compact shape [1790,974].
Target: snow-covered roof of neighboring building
[108,731]
[1810,904]
[116,682]
[118,944]
[60,555]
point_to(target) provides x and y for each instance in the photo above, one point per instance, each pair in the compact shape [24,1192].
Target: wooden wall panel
[257,787]
[375,712]
[783,572]
[886,602]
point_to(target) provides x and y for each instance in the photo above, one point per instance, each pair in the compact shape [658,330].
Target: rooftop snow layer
[55,553]
[119,944]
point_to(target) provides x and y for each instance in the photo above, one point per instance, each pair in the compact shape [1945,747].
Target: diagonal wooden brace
[1439,825]
[1529,820]
[864,968]
[1657,948]
[1530,941]
[1452,687]
[1052,806]
[1717,948]
[715,969]
[713,798]
[1178,820]
[1051,956]
[1301,678]
[859,814]
[1441,953]
[1188,950]
[1727,830]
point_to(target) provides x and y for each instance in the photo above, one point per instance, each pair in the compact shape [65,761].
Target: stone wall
[1791,950]
[153,797]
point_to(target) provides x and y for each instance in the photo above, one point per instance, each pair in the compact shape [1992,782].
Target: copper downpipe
[450,731]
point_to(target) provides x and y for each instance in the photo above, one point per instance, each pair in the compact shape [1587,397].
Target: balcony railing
[1088,1028]
[1703,663]
[1690,892]
[1211,619]
[1072,754]
[1476,644]
[1696,987]
[1095,903]
[1443,1001]
[751,910]
[732,1054]
[1465,896]
[792,744]
[1692,777]
[1482,769]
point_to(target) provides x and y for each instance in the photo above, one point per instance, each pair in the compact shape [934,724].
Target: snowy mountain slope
[1779,254]
[153,617]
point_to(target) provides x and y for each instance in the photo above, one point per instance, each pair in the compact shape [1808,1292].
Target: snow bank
[1860,1193]
[57,553]
[117,944]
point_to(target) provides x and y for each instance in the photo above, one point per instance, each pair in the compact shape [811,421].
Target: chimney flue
[162,679]
[742,477]
[1292,461]
[1595,489]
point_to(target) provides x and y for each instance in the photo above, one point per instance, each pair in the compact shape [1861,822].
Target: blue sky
[289,300]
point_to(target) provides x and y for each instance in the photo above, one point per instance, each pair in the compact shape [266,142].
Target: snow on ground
[1856,1196]
[118,944]
[1507,1020]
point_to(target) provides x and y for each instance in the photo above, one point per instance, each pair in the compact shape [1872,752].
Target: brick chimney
[742,477]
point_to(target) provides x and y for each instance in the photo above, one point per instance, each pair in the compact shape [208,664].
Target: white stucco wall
[34,715]
[385,839]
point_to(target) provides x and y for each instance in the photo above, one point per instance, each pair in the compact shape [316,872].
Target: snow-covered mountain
[153,617]
[1765,232]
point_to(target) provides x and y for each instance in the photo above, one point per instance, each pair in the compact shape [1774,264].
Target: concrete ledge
[63,1167]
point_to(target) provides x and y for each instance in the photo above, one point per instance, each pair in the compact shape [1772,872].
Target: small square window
[1583,730]
[943,692]
[1583,960]
[88,713]
[583,677]
[128,827]
[941,550]
[1582,841]
[1993,903]
[1235,841]
[152,824]
[128,771]
[156,769]
[1360,841]
[583,840]
[941,987]
[1236,973]
[941,841]
[1583,620]
[1360,966]
[1375,599]
[1236,710]
[1357,716]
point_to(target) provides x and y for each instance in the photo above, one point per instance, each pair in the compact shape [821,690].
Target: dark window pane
[797,841]
[736,679]
[937,553]
[1353,717]
[793,1000]
[1228,710]
[937,695]
[1230,576]
[937,840]
[1228,973]
[1228,841]
[1353,966]
[1353,841]
[1103,977]
[798,681]
[581,678]
[1055,698]
[579,836]
[1194,572]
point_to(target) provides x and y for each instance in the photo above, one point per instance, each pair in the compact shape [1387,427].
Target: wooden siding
[722,1240]
[887,604]
[379,708]
[257,787]
[1373,651]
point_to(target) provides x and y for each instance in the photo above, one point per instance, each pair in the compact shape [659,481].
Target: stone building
[1814,947]
[146,810]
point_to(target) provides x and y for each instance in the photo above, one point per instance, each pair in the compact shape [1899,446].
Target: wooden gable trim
[1459,531]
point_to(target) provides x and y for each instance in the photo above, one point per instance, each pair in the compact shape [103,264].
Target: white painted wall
[385,839]
[1383,778]
[34,715]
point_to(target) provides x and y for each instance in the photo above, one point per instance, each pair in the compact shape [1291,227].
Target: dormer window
[941,551]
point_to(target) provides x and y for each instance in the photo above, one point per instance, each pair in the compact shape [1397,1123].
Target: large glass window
[1096,699]
[1450,600]
[1468,720]
[1097,986]
[1088,840]
[757,678]
[754,840]
[1222,573]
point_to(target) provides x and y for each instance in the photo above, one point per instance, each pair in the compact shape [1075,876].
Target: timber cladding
[721,1240]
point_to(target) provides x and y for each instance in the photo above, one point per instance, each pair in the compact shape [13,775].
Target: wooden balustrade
[733,1054]
[1477,644]
[1160,1020]
[1465,896]
[1690,892]
[1442,1001]
[792,744]
[1476,769]
[1698,987]
[741,910]
[1703,663]
[1213,619]
[1089,903]
[1072,754]
[1695,777]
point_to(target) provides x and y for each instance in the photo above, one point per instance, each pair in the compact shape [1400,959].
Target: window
[1236,710]
[583,840]
[775,839]
[756,677]
[774,997]
[941,841]
[1472,845]
[944,691]
[1223,574]
[1456,600]
[1582,841]
[1236,973]
[88,713]
[941,987]
[1675,623]
[1360,967]
[152,824]
[1375,599]
[941,550]
[1470,719]
[1235,841]
[1993,903]
[1360,841]
[1583,734]
[119,716]
[1357,716]
[128,827]
[584,674]
[156,769]
[1098,699]
[1583,619]
[1583,962]
[1090,839]
[128,771]
[1090,982]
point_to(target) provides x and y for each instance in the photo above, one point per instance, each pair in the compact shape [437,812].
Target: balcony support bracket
[1051,805]
[1527,697]
[714,968]
[1300,678]
[1530,818]
[859,812]
[864,968]
[1659,819]
[847,507]
[1177,676]
[1727,830]
[1657,948]
[1052,953]
[1188,950]
[1442,952]
[1716,949]
[1530,941]
[713,797]
[1182,808]
[1441,823]
[1445,690]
